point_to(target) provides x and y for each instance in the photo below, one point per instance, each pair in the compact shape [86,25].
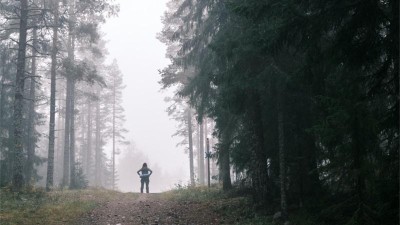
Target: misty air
[199,112]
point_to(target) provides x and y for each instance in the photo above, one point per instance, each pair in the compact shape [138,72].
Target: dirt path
[150,209]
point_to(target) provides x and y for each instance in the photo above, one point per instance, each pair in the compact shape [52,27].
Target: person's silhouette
[144,174]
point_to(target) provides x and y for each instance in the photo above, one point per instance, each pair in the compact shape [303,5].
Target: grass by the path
[233,208]
[65,207]
[57,207]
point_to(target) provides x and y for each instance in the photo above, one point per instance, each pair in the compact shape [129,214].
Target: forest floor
[199,206]
[150,209]
[102,207]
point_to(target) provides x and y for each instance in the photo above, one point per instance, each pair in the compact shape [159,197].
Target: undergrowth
[236,206]
[233,206]
[36,206]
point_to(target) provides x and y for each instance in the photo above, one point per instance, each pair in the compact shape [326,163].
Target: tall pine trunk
[69,136]
[224,159]
[59,149]
[2,103]
[201,155]
[89,138]
[206,137]
[18,177]
[66,164]
[97,145]
[72,138]
[282,160]
[214,166]
[396,29]
[82,149]
[260,167]
[31,113]
[71,76]
[225,137]
[190,132]
[113,136]
[54,50]
[358,154]
[3,170]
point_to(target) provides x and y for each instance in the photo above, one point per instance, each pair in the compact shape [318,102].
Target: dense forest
[304,96]
[293,102]
[60,102]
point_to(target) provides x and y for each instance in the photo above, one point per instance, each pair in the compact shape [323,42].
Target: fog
[132,42]
[284,107]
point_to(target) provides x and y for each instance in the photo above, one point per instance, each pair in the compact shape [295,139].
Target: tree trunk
[31,114]
[192,183]
[113,137]
[82,149]
[197,144]
[260,169]
[206,137]
[396,13]
[5,171]
[65,181]
[201,155]
[89,139]
[71,56]
[224,151]
[282,160]
[213,160]
[97,145]
[72,138]
[18,178]
[58,169]
[358,149]
[3,77]
[225,167]
[54,50]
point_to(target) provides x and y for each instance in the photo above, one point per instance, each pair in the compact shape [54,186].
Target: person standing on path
[144,174]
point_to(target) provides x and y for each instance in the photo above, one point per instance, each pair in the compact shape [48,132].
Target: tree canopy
[317,81]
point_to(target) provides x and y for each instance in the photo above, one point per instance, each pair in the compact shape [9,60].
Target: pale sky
[132,41]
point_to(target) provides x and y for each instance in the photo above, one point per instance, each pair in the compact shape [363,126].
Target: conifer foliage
[53,65]
[305,97]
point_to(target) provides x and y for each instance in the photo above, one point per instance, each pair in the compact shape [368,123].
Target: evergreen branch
[29,99]
[36,50]
[7,29]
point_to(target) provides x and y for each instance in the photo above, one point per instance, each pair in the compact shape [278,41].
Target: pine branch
[36,50]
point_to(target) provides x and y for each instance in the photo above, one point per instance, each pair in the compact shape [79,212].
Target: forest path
[129,208]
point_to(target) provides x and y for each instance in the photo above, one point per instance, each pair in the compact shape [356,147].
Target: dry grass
[57,207]
[231,207]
